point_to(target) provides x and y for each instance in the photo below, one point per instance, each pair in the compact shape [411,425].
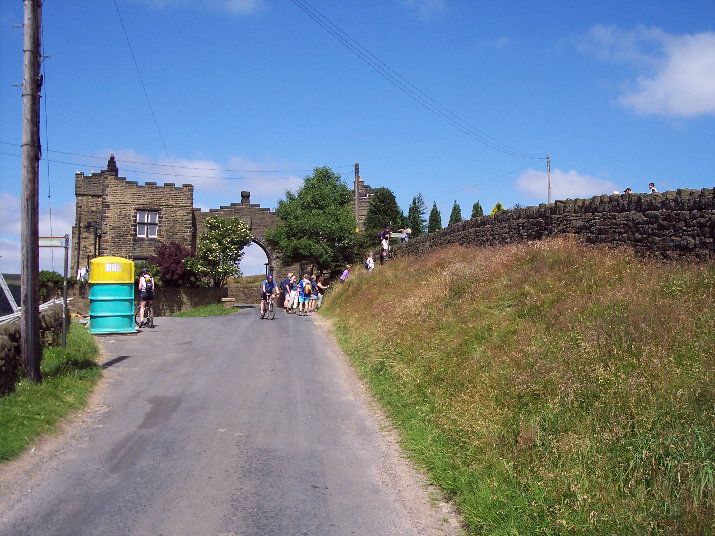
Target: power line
[174,166]
[141,80]
[407,87]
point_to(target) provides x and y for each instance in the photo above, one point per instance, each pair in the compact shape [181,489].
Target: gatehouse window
[147,223]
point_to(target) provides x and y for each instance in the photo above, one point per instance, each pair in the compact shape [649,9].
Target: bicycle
[269,310]
[148,316]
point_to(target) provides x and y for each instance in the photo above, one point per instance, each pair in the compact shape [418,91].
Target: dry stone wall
[669,225]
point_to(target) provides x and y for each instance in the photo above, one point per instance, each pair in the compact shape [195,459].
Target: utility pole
[29,278]
[548,178]
[356,191]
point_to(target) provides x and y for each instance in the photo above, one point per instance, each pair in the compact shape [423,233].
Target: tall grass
[69,375]
[550,388]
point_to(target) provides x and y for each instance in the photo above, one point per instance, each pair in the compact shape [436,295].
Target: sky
[456,99]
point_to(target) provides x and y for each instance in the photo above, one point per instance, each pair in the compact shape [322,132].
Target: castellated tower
[121,218]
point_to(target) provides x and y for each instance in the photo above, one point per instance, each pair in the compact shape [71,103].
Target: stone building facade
[118,217]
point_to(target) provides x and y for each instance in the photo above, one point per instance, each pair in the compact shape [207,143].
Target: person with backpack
[313,293]
[285,289]
[304,292]
[146,293]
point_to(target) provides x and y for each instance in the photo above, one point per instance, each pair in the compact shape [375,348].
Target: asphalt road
[227,426]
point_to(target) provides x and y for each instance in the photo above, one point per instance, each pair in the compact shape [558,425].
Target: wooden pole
[356,192]
[548,178]
[29,277]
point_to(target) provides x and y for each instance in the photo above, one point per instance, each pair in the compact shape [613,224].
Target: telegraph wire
[47,140]
[174,166]
[490,179]
[406,86]
[141,80]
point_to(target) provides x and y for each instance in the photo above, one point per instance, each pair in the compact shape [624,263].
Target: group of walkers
[302,296]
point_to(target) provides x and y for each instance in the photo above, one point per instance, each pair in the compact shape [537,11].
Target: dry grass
[573,388]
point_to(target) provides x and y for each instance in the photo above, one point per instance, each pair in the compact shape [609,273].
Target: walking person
[321,292]
[304,291]
[294,294]
[370,263]
[345,273]
[313,293]
[285,287]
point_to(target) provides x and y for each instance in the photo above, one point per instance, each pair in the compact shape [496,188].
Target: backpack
[148,283]
[307,289]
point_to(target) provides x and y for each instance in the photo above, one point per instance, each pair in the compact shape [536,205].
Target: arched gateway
[122,218]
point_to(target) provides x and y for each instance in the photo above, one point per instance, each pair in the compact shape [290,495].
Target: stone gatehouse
[118,217]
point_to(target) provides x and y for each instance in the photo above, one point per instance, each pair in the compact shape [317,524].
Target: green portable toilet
[111,295]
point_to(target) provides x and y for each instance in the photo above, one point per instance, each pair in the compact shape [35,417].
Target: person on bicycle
[267,289]
[146,293]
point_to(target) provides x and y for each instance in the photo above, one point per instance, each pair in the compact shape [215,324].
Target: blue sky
[255,94]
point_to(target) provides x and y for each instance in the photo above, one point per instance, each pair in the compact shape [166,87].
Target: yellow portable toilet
[111,295]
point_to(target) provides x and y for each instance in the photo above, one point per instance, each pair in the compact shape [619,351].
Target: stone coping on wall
[669,224]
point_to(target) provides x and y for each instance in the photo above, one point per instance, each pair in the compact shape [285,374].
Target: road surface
[226,426]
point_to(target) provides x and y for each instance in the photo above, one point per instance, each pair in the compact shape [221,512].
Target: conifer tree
[416,220]
[456,215]
[435,219]
[477,210]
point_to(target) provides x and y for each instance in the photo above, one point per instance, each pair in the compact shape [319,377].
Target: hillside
[549,388]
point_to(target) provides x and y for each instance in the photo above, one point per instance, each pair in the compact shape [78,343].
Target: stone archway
[257,218]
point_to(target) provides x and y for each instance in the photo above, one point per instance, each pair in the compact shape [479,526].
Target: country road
[226,426]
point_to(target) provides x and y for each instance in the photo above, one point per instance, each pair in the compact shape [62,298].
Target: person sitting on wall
[652,188]
[146,293]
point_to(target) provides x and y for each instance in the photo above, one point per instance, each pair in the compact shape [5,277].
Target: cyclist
[267,289]
[146,293]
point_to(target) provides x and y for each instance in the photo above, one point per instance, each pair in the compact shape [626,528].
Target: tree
[318,224]
[170,260]
[456,215]
[383,211]
[477,210]
[435,219]
[416,220]
[497,208]
[219,249]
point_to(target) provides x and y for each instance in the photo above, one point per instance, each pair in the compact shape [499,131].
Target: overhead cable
[407,87]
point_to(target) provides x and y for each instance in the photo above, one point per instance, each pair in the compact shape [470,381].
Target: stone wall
[669,225]
[170,301]
[10,358]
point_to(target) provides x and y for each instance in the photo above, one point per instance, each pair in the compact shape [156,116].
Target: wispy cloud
[426,9]
[675,74]
[236,7]
[564,184]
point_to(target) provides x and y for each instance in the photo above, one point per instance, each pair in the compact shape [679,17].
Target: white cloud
[425,9]
[59,225]
[564,184]
[676,73]
[237,7]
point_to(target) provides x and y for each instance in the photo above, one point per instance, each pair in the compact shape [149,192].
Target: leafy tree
[497,208]
[383,211]
[416,216]
[456,215]
[318,224]
[219,250]
[170,260]
[477,210]
[435,219]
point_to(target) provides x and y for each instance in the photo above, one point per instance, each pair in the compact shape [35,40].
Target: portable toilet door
[111,295]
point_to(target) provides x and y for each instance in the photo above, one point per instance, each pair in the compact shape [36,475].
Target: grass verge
[549,388]
[214,309]
[69,375]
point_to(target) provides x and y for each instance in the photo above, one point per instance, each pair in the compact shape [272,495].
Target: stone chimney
[245,198]
[112,166]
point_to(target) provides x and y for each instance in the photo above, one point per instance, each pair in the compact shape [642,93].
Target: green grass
[32,410]
[548,388]
[214,309]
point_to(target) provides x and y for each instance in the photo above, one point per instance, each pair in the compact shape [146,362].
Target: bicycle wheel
[136,316]
[149,316]
[271,311]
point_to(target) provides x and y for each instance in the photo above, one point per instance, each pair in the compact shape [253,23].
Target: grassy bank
[69,376]
[549,388]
